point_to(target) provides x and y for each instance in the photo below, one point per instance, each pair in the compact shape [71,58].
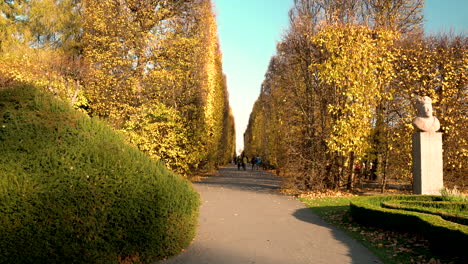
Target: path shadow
[201,254]
[354,247]
[248,180]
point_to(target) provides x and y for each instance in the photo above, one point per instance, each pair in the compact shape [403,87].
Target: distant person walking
[258,162]
[244,162]
[252,161]
[239,162]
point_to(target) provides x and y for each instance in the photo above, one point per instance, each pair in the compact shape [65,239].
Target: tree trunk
[384,170]
[349,185]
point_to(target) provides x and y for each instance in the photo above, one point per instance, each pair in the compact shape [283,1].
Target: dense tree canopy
[153,69]
[337,99]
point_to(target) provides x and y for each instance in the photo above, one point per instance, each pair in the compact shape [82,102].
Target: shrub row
[460,219]
[461,207]
[446,237]
[444,210]
[71,190]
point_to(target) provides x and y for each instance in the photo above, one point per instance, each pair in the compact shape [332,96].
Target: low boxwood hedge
[71,190]
[446,237]
[461,207]
[446,210]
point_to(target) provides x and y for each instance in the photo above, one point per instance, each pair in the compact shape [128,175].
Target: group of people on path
[242,161]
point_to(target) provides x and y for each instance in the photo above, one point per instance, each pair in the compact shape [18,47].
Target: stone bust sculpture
[425,121]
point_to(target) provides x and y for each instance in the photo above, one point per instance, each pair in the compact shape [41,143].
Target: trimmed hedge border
[416,207]
[459,206]
[445,237]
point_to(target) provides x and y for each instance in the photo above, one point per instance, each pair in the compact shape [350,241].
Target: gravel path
[244,220]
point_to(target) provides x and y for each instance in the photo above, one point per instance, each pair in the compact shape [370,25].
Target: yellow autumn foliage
[140,65]
[337,101]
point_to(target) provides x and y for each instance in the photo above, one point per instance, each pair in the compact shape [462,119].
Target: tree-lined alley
[337,100]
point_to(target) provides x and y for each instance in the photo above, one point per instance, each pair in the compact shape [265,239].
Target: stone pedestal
[427,163]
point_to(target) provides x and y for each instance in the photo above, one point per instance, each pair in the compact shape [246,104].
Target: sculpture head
[425,122]
[424,106]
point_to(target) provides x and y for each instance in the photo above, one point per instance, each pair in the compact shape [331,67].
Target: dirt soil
[244,219]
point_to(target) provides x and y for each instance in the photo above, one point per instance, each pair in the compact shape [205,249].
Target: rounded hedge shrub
[71,190]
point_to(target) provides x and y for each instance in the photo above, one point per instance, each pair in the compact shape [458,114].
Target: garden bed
[406,213]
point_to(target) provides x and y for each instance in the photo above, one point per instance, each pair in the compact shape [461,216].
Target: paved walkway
[243,220]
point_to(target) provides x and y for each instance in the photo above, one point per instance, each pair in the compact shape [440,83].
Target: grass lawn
[389,246]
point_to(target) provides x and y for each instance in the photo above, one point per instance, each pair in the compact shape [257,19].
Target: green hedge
[461,207]
[451,211]
[71,190]
[446,237]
